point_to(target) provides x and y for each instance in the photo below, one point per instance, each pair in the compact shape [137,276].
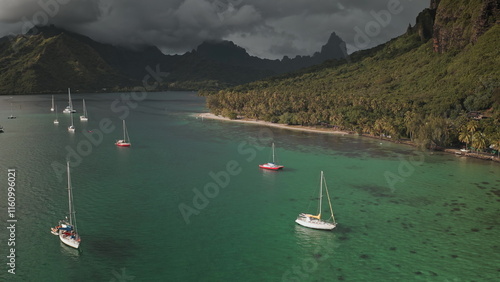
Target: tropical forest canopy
[403,88]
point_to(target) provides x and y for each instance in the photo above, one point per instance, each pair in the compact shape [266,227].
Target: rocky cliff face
[424,25]
[434,4]
[460,22]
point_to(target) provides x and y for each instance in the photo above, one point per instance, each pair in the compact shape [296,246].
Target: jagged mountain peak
[222,51]
[335,48]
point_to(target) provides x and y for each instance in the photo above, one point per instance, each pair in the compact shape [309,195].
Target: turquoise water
[403,215]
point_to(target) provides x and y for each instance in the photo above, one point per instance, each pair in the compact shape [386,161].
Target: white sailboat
[84,117]
[125,142]
[71,128]
[67,230]
[56,121]
[69,109]
[52,108]
[315,221]
[12,116]
[271,165]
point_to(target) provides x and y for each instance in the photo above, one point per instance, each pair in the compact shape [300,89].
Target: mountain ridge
[27,66]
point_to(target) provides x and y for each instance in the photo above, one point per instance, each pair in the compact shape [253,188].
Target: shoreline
[453,151]
[277,125]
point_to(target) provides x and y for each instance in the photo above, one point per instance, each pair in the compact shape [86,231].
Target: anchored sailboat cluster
[67,229]
[70,110]
[125,142]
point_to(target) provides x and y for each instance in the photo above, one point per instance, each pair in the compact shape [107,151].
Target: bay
[402,214]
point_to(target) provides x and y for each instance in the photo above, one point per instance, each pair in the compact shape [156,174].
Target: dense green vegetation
[401,88]
[36,63]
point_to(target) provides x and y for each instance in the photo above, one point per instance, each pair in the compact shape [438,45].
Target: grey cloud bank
[268,29]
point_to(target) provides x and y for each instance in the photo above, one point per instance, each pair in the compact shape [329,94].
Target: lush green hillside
[401,88]
[36,63]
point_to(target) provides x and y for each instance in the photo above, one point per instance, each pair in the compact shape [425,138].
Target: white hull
[315,224]
[67,240]
[83,118]
[51,109]
[71,129]
[56,121]
[69,111]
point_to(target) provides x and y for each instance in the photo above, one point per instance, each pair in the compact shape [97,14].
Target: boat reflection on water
[69,252]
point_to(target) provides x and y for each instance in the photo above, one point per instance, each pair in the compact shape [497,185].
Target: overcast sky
[265,28]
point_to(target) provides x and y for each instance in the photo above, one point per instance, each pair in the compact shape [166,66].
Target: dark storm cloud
[265,28]
[49,11]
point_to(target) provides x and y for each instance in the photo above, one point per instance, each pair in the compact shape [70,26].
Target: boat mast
[273,152]
[329,202]
[124,133]
[320,194]
[69,98]
[69,196]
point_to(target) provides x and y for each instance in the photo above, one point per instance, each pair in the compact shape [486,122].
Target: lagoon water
[187,202]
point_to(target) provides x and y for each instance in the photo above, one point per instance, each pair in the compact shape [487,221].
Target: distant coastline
[336,131]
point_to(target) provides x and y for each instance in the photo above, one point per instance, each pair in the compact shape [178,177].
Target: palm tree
[378,127]
[465,137]
[479,141]
[472,126]
[467,132]
[412,123]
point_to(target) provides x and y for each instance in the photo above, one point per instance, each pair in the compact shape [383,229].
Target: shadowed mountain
[226,52]
[49,59]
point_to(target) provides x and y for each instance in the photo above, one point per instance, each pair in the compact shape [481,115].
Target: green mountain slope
[35,63]
[401,88]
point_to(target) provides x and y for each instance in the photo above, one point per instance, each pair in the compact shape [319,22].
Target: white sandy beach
[260,122]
